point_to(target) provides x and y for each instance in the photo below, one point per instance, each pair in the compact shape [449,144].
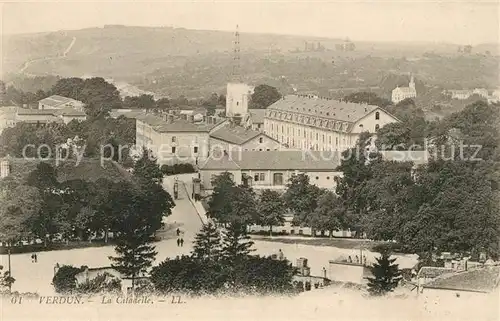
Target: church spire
[412,82]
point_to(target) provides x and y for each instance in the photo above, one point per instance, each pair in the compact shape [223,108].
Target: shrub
[177,169]
[64,281]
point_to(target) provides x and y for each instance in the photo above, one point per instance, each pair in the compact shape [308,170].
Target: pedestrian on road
[178,242]
[33,258]
[178,231]
[280,255]
[36,258]
[182,242]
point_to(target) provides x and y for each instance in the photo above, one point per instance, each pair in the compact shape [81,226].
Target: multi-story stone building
[322,124]
[174,140]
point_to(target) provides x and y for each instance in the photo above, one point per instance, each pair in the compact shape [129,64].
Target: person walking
[281,256]
[36,258]
[178,232]
[182,242]
[178,242]
[33,258]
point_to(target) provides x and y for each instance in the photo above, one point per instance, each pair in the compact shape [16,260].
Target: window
[259,177]
[377,127]
[278,179]
[174,139]
[195,149]
[329,139]
[317,136]
[377,115]
[260,149]
[237,103]
[173,149]
[282,129]
[323,138]
[261,140]
[298,130]
[305,135]
[336,140]
[268,149]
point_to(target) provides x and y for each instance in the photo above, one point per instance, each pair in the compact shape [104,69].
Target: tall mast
[236,56]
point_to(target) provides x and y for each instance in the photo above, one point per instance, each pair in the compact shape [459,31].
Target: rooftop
[56,100]
[275,160]
[323,107]
[477,280]
[405,89]
[68,111]
[431,272]
[178,125]
[236,135]
[88,169]
[257,115]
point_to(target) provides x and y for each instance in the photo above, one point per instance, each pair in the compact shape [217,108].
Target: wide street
[37,277]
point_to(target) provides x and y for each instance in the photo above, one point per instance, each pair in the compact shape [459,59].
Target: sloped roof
[70,112]
[323,107]
[24,111]
[478,280]
[275,160]
[257,115]
[236,135]
[128,114]
[56,100]
[88,169]
[431,272]
[406,90]
[178,125]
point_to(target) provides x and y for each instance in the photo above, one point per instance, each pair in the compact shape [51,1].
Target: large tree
[146,168]
[218,206]
[386,275]
[301,197]
[271,209]
[264,96]
[330,213]
[207,244]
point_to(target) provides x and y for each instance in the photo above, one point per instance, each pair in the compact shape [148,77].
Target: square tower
[237,99]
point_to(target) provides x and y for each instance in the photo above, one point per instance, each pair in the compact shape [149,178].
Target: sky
[459,21]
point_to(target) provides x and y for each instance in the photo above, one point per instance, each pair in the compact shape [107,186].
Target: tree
[301,197]
[99,97]
[69,87]
[218,206]
[329,215]
[271,209]
[386,275]
[163,104]
[146,168]
[64,281]
[264,96]
[102,283]
[207,244]
[369,98]
[235,243]
[6,280]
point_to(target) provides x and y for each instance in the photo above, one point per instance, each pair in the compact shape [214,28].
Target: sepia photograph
[250,160]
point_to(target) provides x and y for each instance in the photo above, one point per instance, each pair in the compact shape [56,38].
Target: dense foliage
[386,275]
[222,264]
[458,194]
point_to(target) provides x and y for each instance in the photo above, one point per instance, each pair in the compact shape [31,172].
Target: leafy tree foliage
[6,280]
[102,283]
[329,215]
[271,209]
[369,98]
[219,208]
[146,169]
[386,275]
[301,197]
[264,96]
[236,243]
[64,281]
[144,101]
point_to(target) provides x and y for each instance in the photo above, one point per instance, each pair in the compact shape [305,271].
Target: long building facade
[322,124]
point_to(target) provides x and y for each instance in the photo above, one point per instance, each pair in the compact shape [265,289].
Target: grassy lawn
[334,242]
